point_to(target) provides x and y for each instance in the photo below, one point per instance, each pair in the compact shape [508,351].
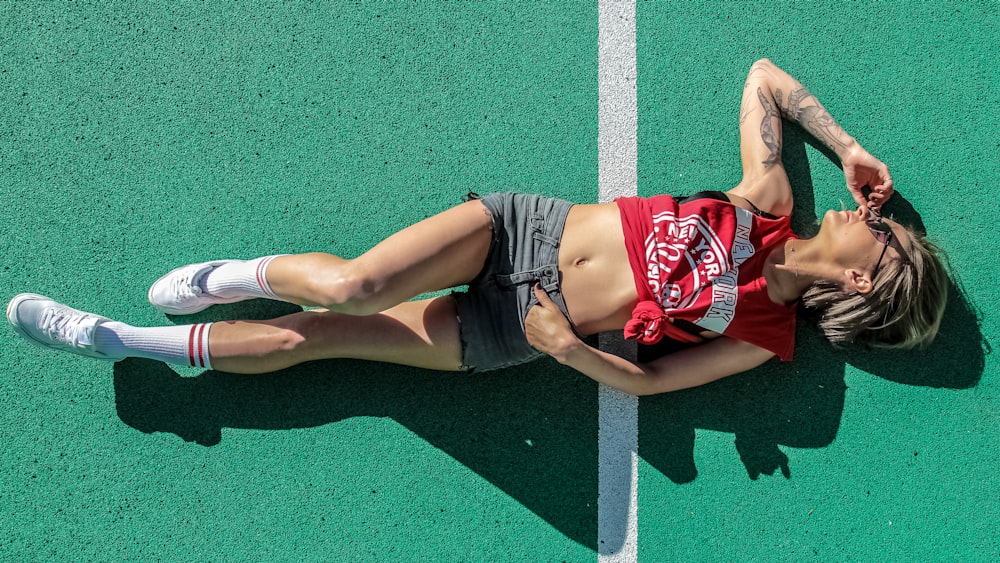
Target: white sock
[240,279]
[183,345]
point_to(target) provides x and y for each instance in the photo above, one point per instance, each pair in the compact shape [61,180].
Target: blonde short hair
[903,309]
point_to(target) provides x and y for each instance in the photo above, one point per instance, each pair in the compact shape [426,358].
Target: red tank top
[702,261]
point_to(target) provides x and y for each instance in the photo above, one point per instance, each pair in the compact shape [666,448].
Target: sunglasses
[881,232]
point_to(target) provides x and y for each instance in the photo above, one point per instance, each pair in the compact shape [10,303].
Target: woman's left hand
[547,329]
[862,169]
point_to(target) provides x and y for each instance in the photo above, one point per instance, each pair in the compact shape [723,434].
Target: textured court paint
[841,455]
[618,419]
[129,147]
[618,477]
[617,151]
[139,136]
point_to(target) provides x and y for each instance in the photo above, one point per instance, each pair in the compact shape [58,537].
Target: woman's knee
[349,291]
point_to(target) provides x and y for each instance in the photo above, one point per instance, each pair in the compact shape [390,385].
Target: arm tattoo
[813,118]
[771,140]
[746,106]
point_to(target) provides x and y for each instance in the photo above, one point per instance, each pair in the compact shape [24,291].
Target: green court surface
[139,136]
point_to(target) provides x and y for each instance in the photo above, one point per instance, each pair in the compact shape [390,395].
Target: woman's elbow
[638,385]
[653,383]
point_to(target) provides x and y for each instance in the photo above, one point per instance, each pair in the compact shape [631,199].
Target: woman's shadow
[531,431]
[799,404]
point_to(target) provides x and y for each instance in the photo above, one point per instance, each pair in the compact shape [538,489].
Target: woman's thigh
[421,334]
[418,333]
[440,252]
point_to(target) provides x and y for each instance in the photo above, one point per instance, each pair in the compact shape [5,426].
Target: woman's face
[851,243]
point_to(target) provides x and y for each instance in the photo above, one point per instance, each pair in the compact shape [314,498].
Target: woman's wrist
[569,350]
[849,146]
[577,355]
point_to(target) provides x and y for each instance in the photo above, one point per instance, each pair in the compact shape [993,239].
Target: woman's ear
[857,280]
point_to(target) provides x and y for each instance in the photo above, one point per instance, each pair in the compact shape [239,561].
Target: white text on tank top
[690,243]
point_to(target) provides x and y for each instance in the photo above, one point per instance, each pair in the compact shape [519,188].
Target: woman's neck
[790,270]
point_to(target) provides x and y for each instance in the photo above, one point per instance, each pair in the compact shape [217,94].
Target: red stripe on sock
[205,359]
[201,340]
[261,266]
[194,328]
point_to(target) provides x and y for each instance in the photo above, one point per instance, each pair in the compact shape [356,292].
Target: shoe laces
[69,326]
[186,284]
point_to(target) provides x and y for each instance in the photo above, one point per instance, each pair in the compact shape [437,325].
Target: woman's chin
[829,218]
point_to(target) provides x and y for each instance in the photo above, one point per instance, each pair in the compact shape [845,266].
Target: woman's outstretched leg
[421,333]
[443,251]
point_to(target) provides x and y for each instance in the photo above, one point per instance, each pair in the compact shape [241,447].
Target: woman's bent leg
[421,334]
[446,250]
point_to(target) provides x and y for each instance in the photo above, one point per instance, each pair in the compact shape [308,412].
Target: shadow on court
[532,431]
[799,404]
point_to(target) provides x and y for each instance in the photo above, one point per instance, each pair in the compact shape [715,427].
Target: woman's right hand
[862,169]
[547,329]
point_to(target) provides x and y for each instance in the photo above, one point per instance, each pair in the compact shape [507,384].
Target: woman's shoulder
[769,192]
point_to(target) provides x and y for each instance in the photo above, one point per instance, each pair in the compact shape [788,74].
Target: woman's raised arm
[771,94]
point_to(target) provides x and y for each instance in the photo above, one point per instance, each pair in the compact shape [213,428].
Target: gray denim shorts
[527,230]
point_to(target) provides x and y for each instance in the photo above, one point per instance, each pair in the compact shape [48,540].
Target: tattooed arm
[769,95]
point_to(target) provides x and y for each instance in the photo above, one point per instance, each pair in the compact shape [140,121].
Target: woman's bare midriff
[597,282]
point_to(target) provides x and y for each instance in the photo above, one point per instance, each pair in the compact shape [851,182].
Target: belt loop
[549,277]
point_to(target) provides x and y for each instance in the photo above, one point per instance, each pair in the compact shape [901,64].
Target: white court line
[617,176]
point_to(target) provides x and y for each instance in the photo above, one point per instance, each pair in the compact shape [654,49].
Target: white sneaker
[48,324]
[179,293]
